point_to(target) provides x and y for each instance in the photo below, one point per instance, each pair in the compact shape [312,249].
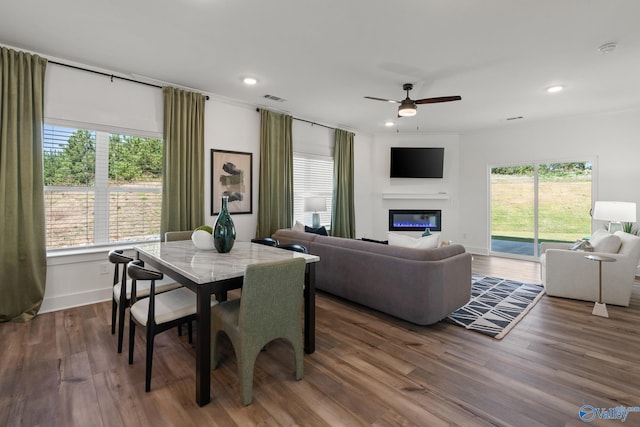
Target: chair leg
[215,353]
[180,330]
[121,310]
[298,351]
[114,307]
[132,334]
[246,363]
[190,328]
[147,378]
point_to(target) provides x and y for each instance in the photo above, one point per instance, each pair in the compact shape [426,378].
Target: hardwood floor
[62,369]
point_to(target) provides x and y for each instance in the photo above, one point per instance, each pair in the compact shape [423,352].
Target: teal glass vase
[224,232]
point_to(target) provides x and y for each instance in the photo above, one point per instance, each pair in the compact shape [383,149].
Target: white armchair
[569,274]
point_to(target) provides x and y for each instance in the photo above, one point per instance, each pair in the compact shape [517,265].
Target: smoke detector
[607,48]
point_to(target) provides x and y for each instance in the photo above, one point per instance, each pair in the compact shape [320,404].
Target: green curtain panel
[343,222]
[23,251]
[183,161]
[275,194]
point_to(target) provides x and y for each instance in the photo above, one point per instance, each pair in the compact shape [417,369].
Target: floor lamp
[616,213]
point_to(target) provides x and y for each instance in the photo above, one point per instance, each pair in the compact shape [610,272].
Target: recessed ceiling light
[554,89]
[250,81]
[389,124]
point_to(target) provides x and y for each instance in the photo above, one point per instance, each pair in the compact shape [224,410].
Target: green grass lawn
[564,204]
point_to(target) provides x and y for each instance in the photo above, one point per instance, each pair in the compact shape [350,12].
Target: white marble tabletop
[206,266]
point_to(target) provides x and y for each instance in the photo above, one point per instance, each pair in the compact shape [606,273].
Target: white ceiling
[323,57]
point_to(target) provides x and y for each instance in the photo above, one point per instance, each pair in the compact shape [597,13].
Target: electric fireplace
[414,219]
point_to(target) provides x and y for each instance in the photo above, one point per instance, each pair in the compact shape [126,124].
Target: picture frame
[232,175]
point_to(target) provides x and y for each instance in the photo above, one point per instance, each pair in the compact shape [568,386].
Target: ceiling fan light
[407,110]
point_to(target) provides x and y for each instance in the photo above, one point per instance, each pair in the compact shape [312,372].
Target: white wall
[233,128]
[611,140]
[422,193]
[77,278]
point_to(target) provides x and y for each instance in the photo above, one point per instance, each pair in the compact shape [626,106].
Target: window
[100,187]
[312,176]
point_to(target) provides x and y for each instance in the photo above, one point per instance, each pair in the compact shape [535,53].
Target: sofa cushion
[603,241]
[298,226]
[427,242]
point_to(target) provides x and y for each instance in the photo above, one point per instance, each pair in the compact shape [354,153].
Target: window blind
[312,176]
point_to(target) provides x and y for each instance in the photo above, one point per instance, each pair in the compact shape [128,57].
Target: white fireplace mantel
[415,196]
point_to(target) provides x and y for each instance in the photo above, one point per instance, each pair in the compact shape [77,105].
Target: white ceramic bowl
[203,240]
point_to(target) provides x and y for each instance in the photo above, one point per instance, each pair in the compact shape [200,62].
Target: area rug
[496,305]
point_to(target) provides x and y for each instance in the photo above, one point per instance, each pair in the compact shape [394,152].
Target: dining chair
[172,236]
[267,241]
[269,308]
[158,312]
[296,247]
[122,300]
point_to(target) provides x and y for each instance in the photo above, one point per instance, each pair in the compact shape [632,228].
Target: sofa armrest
[544,246]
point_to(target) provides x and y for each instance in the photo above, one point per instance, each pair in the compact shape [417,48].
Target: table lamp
[315,205]
[615,212]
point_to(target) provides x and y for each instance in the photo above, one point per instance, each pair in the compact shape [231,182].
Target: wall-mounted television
[417,162]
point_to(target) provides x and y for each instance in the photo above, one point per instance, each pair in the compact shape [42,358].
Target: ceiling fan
[408,107]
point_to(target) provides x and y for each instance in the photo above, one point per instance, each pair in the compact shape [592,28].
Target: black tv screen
[417,162]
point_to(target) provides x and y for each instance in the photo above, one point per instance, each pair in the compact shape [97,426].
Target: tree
[75,163]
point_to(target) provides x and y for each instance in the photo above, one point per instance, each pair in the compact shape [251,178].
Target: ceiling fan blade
[439,99]
[382,99]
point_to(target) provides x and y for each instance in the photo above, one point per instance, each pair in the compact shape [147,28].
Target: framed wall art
[231,175]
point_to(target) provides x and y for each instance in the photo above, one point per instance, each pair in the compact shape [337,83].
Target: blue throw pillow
[320,230]
[427,232]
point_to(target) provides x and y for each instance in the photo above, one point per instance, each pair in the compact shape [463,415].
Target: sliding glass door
[539,202]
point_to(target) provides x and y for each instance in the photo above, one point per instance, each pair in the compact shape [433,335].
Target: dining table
[207,273]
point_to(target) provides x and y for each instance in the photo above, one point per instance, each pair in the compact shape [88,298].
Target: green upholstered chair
[172,236]
[269,308]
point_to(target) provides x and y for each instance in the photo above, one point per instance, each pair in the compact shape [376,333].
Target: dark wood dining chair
[122,300]
[267,241]
[296,247]
[158,312]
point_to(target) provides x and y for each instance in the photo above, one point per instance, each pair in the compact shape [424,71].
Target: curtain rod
[112,76]
[307,121]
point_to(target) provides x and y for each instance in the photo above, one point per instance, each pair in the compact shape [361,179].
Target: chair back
[136,271]
[172,236]
[268,241]
[271,296]
[116,257]
[296,247]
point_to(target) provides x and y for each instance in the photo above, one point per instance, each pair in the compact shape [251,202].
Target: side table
[600,308]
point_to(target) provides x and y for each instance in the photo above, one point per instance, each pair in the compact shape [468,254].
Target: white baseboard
[61,302]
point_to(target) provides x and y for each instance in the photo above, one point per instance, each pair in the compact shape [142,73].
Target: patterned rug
[496,305]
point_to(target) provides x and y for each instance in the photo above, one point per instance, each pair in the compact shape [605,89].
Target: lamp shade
[615,211]
[315,204]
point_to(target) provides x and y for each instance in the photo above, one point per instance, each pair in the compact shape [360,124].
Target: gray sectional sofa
[422,286]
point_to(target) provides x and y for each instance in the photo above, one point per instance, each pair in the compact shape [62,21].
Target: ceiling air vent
[274,98]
